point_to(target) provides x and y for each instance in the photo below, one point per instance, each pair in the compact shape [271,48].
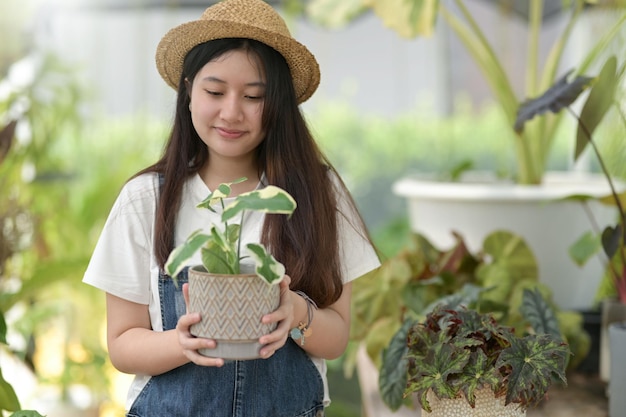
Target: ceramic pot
[487,405]
[612,311]
[617,383]
[231,307]
[547,221]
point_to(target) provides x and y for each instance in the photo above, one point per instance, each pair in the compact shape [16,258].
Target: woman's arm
[135,348]
[330,327]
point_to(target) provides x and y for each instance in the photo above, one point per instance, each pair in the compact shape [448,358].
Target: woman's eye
[213,93]
[254,97]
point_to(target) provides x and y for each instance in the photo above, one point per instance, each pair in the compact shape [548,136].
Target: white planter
[475,209]
[612,312]
[617,383]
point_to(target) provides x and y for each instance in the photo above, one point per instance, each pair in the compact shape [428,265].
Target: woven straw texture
[252,19]
[231,306]
[486,406]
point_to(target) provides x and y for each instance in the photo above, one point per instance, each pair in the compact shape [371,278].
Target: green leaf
[539,314]
[557,97]
[267,267]
[3,329]
[611,239]
[600,99]
[393,372]
[219,256]
[223,191]
[178,258]
[8,399]
[407,18]
[584,248]
[270,199]
[479,372]
[433,370]
[333,13]
[534,361]
[26,413]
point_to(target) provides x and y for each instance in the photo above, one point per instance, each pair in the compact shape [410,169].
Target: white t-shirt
[123,262]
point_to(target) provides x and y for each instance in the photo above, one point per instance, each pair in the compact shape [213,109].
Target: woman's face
[227,97]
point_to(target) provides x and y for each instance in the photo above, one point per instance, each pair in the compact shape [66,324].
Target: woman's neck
[214,173]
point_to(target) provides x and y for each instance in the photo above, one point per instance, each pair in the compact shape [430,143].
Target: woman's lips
[229,133]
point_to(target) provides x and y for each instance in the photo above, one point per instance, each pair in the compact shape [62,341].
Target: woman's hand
[283,315]
[189,343]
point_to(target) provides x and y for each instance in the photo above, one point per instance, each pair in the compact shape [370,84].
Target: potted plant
[232,295]
[532,201]
[409,284]
[612,238]
[458,361]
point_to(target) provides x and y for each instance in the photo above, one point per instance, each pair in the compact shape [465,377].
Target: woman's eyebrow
[219,80]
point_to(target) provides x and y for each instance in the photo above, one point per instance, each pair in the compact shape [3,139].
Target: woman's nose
[231,108]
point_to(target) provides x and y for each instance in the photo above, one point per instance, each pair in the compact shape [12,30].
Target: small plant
[221,248]
[601,98]
[453,353]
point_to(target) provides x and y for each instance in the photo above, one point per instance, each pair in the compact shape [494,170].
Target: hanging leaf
[534,361]
[557,97]
[611,239]
[6,139]
[393,372]
[539,314]
[267,267]
[8,399]
[601,98]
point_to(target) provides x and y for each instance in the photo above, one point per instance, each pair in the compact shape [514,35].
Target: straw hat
[252,19]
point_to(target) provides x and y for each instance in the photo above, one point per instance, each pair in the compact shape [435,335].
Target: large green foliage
[419,17]
[457,351]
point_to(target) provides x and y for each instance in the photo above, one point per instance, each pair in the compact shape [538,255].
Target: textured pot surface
[231,307]
[487,405]
[617,383]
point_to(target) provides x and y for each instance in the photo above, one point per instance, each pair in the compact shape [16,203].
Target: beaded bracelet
[303,330]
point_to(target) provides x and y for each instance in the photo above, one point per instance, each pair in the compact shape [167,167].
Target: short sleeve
[120,263]
[358,256]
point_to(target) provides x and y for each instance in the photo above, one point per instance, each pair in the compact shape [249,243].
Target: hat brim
[176,43]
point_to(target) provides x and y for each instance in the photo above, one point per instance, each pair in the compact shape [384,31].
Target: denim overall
[285,385]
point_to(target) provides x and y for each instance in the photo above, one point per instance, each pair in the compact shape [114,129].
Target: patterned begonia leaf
[533,362]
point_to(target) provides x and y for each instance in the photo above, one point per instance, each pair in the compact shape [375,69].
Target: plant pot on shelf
[231,307]
[612,312]
[592,324]
[549,224]
[487,405]
[617,383]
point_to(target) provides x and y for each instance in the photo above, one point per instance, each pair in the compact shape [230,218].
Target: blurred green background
[63,160]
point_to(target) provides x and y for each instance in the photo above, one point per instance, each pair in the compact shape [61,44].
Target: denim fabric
[286,385]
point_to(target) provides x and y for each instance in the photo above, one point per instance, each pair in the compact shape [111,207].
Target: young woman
[240,77]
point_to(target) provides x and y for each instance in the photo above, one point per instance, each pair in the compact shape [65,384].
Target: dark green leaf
[557,97]
[479,372]
[3,329]
[393,372]
[539,314]
[534,362]
[600,99]
[6,138]
[8,399]
[611,239]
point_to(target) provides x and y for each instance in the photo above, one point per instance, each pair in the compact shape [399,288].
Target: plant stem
[619,279]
